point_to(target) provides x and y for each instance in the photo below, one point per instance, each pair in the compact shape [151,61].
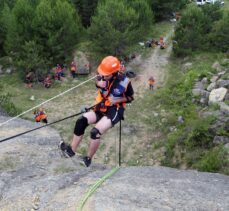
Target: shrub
[213,160]
[7,105]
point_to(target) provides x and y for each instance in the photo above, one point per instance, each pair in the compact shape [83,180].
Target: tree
[117,25]
[57,28]
[193,31]
[23,11]
[3,4]
[164,8]
[31,60]
[12,40]
[220,34]
[146,16]
[189,33]
[212,13]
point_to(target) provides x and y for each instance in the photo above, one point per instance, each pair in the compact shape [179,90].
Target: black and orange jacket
[40,115]
[116,90]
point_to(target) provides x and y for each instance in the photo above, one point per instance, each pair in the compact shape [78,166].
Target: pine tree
[118,24]
[220,34]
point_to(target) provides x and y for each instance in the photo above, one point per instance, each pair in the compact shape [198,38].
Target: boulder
[211,86]
[221,140]
[223,83]
[217,95]
[200,92]
[224,108]
[83,65]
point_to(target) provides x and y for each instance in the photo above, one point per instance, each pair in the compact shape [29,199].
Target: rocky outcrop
[213,91]
[33,176]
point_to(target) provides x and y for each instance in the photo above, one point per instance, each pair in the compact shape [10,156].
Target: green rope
[95,186]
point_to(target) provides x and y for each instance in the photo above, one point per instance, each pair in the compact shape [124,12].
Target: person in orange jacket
[114,91]
[162,44]
[151,82]
[73,69]
[40,115]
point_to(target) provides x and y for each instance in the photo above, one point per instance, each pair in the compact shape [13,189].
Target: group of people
[154,43]
[57,74]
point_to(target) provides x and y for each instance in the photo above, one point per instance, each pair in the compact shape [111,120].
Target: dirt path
[154,65]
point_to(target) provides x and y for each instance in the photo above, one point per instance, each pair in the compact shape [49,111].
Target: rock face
[33,176]
[161,188]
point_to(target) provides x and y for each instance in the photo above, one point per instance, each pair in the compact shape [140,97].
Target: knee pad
[95,134]
[80,126]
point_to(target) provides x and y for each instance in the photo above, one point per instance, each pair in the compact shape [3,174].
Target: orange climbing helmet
[109,65]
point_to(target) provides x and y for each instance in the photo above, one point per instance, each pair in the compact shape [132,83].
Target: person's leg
[101,127]
[81,124]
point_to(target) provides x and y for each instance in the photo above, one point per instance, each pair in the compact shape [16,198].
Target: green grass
[21,94]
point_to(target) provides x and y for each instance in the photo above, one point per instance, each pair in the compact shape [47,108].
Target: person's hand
[112,101]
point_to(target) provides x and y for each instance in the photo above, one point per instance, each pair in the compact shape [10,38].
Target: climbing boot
[86,161]
[66,149]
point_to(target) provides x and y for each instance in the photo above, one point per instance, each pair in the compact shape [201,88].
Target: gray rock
[224,108]
[37,177]
[214,78]
[162,189]
[217,95]
[221,73]
[200,92]
[204,101]
[199,85]
[222,83]
[187,66]
[180,120]
[220,140]
[211,86]
[204,80]
[227,96]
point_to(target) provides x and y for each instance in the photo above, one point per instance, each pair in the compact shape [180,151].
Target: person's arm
[128,96]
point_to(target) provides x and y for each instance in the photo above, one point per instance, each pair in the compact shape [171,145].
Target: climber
[114,91]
